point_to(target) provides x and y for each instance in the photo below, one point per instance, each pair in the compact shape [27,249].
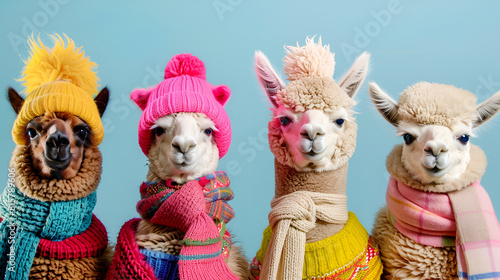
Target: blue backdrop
[452,42]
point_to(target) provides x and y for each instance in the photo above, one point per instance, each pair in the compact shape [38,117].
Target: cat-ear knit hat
[184,89]
[60,79]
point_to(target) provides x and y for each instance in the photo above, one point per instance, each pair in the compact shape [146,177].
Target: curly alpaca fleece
[30,184]
[422,103]
[311,60]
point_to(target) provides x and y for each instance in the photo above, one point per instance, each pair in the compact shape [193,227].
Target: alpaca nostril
[311,132]
[435,150]
[57,140]
[57,147]
[182,145]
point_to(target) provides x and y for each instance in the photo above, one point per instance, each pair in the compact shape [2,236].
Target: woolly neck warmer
[199,208]
[289,180]
[349,254]
[434,214]
[304,202]
[80,186]
[27,220]
[52,219]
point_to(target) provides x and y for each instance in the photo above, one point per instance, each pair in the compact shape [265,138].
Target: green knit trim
[208,241]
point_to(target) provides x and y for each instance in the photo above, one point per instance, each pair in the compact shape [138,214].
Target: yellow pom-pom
[61,63]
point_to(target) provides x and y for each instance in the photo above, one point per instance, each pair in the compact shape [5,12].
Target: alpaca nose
[435,149]
[312,131]
[183,144]
[57,147]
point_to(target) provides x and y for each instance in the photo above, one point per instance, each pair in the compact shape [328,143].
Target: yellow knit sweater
[349,254]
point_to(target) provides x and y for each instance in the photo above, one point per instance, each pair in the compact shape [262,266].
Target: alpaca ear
[352,81]
[487,109]
[16,101]
[101,100]
[387,107]
[141,96]
[222,93]
[270,82]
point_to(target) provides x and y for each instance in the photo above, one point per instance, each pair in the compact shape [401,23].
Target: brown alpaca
[57,163]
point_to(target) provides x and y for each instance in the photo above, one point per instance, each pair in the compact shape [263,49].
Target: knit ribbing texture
[291,217]
[32,220]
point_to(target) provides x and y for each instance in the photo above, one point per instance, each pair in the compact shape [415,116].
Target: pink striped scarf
[192,208]
[465,219]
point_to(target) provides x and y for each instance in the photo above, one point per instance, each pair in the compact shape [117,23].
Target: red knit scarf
[195,208]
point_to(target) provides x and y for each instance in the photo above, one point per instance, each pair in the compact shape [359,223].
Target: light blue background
[452,42]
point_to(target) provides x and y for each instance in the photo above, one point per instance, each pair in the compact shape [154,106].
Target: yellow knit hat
[58,80]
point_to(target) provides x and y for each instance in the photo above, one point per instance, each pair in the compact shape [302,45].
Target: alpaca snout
[312,139]
[435,149]
[184,150]
[311,131]
[57,151]
[183,144]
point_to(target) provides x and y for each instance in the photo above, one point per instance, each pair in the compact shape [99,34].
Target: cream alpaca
[183,150]
[312,135]
[436,122]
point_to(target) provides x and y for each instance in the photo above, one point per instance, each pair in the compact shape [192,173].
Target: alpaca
[312,135]
[183,145]
[54,170]
[436,173]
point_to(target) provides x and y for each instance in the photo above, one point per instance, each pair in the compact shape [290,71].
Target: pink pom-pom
[185,64]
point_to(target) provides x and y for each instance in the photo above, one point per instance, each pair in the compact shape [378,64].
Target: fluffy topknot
[61,63]
[311,60]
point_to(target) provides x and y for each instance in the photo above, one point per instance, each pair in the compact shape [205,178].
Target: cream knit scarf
[292,216]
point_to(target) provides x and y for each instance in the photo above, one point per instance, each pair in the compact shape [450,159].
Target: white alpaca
[312,134]
[436,122]
[183,150]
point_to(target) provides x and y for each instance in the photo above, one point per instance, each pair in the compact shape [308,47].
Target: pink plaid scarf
[463,218]
[192,208]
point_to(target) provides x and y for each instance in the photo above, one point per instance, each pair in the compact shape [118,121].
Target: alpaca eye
[158,131]
[408,138]
[464,139]
[339,122]
[82,134]
[32,133]
[285,120]
[209,131]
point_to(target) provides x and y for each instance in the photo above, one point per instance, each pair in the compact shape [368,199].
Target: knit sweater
[349,254]
[316,204]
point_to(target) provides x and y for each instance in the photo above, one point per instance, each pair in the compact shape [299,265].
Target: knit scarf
[193,207]
[464,218]
[291,217]
[27,220]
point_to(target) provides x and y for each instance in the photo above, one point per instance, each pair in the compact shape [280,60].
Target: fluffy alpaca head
[312,128]
[59,118]
[183,147]
[59,79]
[185,89]
[436,122]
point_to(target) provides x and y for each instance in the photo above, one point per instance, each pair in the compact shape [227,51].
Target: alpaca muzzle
[57,151]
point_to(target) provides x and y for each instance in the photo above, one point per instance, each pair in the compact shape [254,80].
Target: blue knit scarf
[26,221]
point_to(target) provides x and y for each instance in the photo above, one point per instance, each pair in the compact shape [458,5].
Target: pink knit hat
[184,89]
